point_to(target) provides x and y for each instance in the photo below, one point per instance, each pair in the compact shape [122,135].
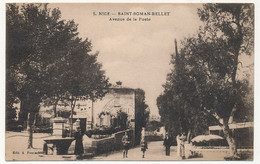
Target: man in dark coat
[78,145]
[167,144]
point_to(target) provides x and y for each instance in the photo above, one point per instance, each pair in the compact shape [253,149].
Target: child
[126,144]
[143,145]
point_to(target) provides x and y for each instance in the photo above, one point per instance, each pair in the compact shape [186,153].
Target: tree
[141,114]
[85,79]
[179,105]
[10,110]
[46,58]
[27,35]
[228,34]
[210,68]
[153,125]
[210,62]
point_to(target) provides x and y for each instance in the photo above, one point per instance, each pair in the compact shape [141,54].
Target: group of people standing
[126,144]
[180,140]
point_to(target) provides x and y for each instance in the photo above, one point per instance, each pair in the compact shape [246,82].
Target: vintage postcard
[129,81]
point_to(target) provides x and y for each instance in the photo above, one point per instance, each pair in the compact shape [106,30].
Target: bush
[246,155]
[42,129]
[13,125]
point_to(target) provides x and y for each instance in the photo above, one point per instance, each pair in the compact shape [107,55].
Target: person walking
[144,146]
[78,145]
[167,144]
[126,143]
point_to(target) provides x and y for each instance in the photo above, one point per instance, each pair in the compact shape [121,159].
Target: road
[16,149]
[156,151]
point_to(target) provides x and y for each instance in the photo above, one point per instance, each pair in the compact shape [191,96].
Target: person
[45,148]
[143,132]
[144,146]
[178,146]
[182,139]
[126,144]
[167,144]
[78,145]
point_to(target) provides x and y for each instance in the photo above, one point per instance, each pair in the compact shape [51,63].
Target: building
[106,111]
[116,109]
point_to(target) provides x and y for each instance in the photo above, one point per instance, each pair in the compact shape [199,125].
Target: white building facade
[104,113]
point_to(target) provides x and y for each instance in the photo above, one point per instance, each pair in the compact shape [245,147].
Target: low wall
[104,145]
[216,152]
[112,143]
[221,151]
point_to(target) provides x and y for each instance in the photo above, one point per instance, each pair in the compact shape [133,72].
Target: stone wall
[112,143]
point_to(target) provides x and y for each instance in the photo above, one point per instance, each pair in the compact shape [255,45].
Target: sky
[137,53]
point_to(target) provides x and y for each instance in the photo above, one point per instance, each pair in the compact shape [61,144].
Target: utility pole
[92,115]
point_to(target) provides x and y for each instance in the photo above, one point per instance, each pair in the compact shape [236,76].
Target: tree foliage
[205,78]
[47,59]
[153,125]
[228,34]
[141,114]
[179,105]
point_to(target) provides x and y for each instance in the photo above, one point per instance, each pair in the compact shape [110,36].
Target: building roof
[234,126]
[120,87]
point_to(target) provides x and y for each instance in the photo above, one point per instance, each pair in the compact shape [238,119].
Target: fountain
[59,142]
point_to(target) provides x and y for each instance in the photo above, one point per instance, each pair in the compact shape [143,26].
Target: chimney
[119,83]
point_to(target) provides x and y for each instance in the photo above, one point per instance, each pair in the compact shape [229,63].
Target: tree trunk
[230,139]
[71,122]
[189,136]
[73,103]
[30,130]
[57,99]
[23,115]
[55,109]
